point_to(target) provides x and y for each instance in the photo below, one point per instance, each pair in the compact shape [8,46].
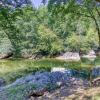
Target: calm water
[10,70]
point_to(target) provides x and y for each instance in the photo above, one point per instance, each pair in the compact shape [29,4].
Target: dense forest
[49,30]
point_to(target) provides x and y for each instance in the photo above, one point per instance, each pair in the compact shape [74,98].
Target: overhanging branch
[81,14]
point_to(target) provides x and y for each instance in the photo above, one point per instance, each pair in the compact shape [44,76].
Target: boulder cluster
[38,83]
[46,81]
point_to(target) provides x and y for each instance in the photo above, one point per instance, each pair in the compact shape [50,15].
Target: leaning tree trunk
[99,39]
[98,31]
[96,25]
[12,34]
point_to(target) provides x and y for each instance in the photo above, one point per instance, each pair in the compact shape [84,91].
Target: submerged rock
[71,72]
[2,82]
[96,71]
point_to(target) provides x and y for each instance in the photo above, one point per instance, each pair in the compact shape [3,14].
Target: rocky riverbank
[42,85]
[38,84]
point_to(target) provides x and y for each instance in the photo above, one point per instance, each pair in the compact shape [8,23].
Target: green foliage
[29,30]
[81,43]
[48,42]
[79,9]
[74,42]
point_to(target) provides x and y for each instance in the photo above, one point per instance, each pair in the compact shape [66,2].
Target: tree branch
[97,11]
[85,15]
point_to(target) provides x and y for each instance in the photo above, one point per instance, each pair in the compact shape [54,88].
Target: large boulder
[97,51]
[42,82]
[91,55]
[71,72]
[26,53]
[36,56]
[6,55]
[96,72]
[69,56]
[2,82]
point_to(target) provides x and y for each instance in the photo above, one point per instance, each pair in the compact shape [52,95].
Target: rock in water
[96,71]
[2,82]
[69,56]
[91,55]
[60,69]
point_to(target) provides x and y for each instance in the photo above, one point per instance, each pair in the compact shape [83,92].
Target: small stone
[60,69]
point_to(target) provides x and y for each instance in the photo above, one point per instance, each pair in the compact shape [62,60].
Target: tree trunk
[97,26]
[98,31]
[99,38]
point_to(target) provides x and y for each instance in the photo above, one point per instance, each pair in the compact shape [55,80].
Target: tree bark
[96,24]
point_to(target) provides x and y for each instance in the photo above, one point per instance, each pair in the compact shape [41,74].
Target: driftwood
[96,82]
